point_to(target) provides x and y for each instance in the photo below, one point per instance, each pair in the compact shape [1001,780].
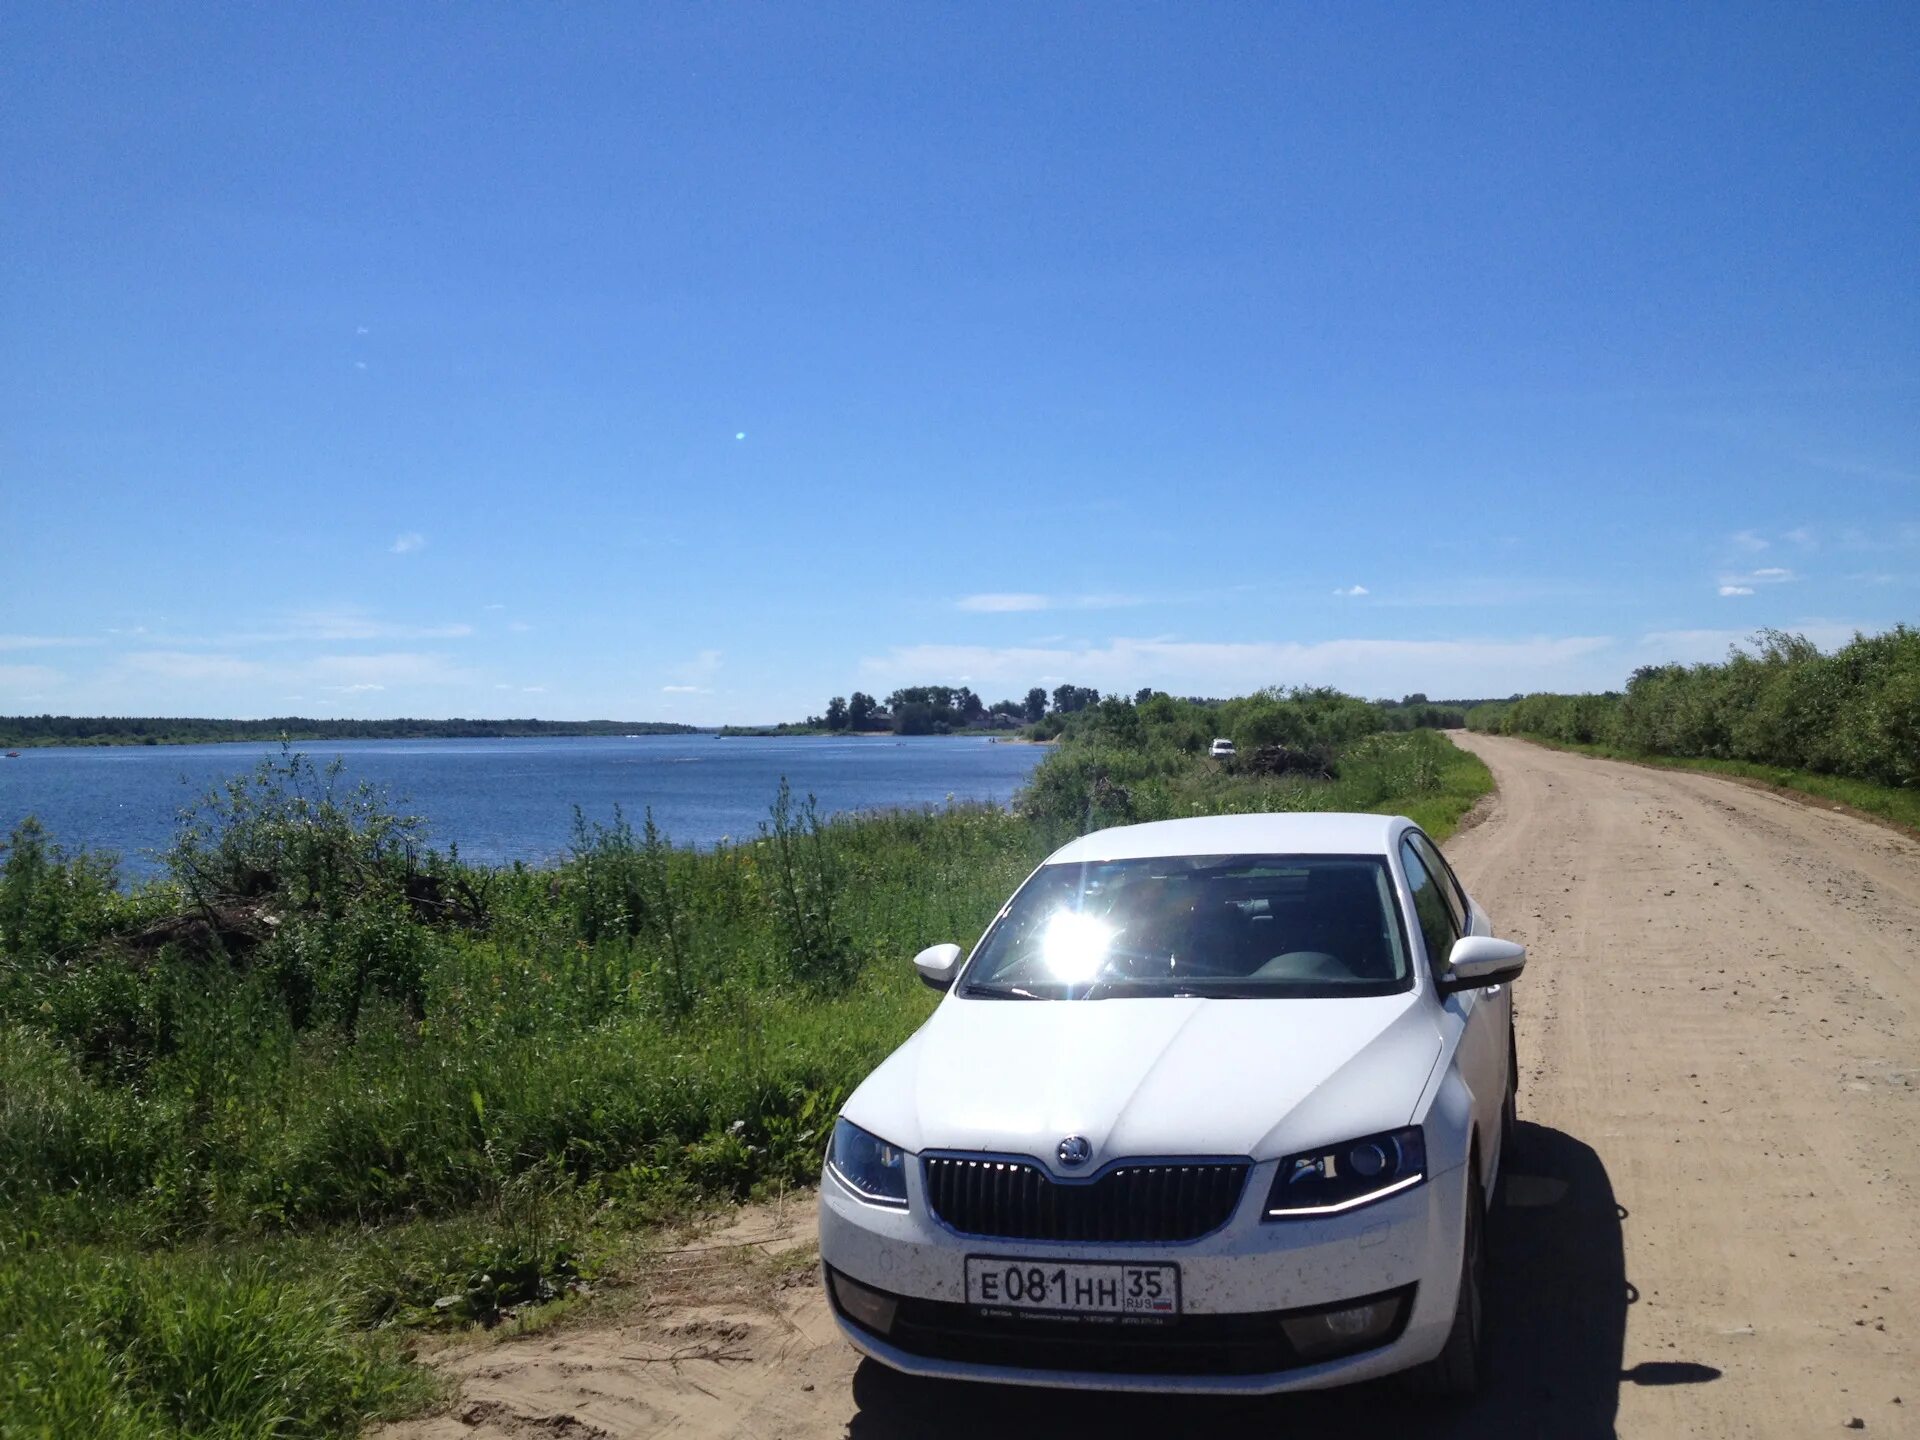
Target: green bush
[52,905]
[1781,703]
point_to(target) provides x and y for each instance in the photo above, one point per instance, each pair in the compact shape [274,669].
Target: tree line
[943,709]
[1853,713]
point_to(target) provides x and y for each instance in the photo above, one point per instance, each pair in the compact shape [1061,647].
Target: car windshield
[1244,926]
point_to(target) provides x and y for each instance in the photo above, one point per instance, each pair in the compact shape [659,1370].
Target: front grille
[1017,1200]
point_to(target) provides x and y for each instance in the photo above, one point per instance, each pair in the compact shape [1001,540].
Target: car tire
[1460,1369]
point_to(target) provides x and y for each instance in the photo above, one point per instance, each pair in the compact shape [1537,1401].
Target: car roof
[1284,834]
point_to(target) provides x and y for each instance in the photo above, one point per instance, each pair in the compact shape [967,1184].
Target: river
[505,800]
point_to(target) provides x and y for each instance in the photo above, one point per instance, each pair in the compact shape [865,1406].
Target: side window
[1435,865]
[1437,926]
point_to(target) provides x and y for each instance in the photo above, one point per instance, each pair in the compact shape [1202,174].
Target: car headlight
[868,1165]
[1337,1178]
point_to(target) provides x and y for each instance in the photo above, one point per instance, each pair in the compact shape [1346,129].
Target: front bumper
[1237,1286]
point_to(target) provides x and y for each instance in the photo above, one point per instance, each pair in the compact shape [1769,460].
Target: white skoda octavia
[1214,1105]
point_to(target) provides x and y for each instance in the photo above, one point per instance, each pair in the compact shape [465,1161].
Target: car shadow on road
[1559,1307]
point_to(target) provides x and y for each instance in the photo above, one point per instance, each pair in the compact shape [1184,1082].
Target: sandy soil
[1710,1228]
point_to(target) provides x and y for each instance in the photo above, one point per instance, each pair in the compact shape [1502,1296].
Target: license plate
[1073,1287]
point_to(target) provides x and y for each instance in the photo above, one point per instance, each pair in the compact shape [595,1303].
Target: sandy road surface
[1713,1226]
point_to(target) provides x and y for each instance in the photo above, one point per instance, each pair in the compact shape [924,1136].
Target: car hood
[1152,1077]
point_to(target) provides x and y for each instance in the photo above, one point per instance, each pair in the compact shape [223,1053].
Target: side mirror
[1478,961]
[938,964]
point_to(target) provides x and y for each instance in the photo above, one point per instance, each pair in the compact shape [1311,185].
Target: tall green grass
[322,1082]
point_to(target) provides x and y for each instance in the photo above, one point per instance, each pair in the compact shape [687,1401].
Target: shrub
[1854,713]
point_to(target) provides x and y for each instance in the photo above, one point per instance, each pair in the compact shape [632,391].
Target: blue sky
[701,362]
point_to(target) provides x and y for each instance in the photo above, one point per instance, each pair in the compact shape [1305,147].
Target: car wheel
[1460,1369]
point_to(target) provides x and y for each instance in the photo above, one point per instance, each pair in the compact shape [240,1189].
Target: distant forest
[948,710]
[18,731]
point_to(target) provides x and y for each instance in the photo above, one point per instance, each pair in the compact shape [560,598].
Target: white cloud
[352,623]
[176,666]
[695,675]
[1748,541]
[1351,590]
[409,542]
[519,627]
[359,689]
[1002,604]
[1801,535]
[394,668]
[533,689]
[1744,584]
[20,678]
[1021,602]
[44,642]
[321,625]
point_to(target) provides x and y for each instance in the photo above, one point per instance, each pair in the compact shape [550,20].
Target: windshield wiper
[1001,992]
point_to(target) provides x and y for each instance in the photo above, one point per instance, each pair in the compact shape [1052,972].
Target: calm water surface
[504,800]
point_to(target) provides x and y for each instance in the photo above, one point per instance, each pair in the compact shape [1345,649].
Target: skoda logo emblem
[1075,1150]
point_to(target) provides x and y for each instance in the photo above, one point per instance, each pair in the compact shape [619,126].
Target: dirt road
[1711,1227]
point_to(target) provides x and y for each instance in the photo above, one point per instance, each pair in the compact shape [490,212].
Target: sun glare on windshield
[1075,947]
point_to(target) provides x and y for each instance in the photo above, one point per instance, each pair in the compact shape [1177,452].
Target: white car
[1214,1105]
[1221,749]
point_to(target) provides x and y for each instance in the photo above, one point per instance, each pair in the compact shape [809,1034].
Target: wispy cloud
[190,665]
[407,543]
[1746,582]
[352,623]
[1001,603]
[1020,602]
[325,625]
[392,668]
[519,627]
[45,642]
[1864,469]
[1352,590]
[695,676]
[27,681]
[1750,542]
